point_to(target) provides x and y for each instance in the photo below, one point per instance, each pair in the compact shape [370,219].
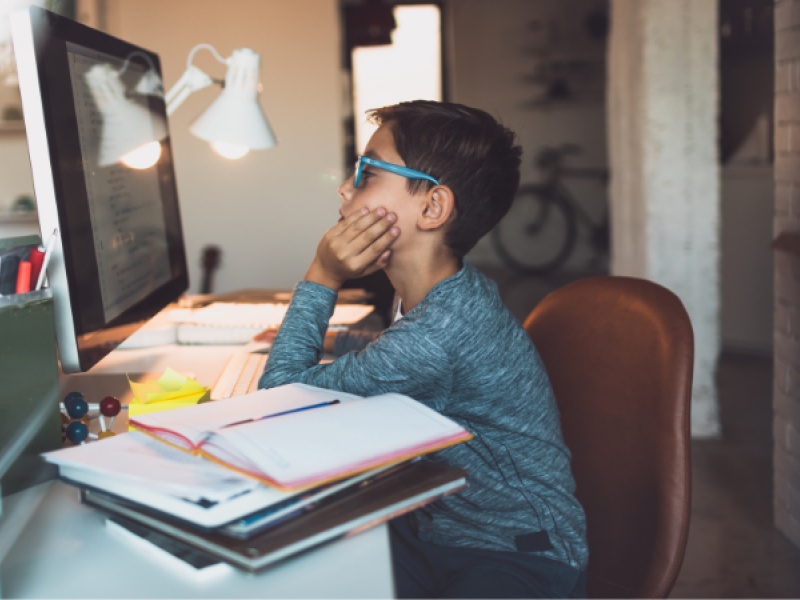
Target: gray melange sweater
[461,352]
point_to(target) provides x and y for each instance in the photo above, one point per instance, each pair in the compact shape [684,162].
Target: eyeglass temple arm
[397,169]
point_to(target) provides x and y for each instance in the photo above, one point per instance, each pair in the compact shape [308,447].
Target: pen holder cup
[30,421]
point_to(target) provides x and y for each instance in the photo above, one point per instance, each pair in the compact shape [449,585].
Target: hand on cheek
[357,246]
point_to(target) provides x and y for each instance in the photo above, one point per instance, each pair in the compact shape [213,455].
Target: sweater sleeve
[350,341]
[403,359]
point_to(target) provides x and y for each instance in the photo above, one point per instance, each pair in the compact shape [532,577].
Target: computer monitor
[102,170]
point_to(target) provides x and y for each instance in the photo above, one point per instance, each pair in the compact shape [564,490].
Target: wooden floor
[734,550]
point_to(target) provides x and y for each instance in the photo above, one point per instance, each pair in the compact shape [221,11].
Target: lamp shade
[236,116]
[150,84]
[126,125]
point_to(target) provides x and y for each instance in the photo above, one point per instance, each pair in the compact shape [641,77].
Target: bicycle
[541,230]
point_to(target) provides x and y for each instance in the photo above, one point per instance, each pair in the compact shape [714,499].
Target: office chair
[619,352]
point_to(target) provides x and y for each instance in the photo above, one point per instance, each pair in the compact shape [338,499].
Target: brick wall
[787,269]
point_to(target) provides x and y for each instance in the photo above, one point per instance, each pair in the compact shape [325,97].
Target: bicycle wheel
[538,234]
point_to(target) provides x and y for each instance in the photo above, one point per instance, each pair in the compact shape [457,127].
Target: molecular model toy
[76,416]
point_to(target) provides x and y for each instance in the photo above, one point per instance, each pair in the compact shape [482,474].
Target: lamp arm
[137,53]
[191,81]
[194,50]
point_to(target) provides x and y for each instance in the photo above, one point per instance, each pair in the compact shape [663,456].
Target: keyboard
[240,375]
[231,323]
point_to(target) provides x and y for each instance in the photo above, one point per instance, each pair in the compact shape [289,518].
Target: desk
[62,549]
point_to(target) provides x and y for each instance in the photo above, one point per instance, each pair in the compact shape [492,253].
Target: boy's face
[380,188]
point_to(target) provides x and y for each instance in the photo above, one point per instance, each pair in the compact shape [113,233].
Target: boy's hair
[467,150]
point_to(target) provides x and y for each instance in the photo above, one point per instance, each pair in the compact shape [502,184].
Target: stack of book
[256,478]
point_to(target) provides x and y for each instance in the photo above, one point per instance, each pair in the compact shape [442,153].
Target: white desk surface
[58,548]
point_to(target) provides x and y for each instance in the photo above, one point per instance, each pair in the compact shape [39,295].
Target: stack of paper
[289,468]
[140,469]
[136,459]
[350,511]
[147,472]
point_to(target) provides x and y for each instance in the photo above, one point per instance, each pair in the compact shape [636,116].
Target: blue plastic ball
[77,408]
[70,397]
[77,432]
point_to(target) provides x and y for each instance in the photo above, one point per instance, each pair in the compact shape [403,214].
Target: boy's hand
[268,335]
[354,247]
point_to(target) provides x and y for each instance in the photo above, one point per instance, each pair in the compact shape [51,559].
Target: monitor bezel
[40,46]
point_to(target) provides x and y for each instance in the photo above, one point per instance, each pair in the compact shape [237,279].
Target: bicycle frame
[550,196]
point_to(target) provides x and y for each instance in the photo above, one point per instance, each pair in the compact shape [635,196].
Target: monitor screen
[105,187]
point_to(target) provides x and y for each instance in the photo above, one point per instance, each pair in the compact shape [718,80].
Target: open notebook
[266,435]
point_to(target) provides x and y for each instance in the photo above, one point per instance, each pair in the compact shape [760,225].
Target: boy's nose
[346,189]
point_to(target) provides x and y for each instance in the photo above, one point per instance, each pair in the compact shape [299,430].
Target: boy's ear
[436,208]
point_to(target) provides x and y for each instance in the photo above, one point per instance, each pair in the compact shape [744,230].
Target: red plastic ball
[110,406]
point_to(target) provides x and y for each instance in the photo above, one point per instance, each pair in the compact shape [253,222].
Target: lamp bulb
[230,150]
[144,156]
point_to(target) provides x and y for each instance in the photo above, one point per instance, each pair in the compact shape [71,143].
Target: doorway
[392,53]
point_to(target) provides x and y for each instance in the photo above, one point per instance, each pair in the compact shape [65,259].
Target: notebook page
[326,442]
[138,459]
[194,422]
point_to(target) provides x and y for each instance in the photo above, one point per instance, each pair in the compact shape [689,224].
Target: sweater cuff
[316,291]
[313,304]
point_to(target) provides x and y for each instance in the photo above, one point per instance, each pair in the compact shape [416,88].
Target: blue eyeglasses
[404,171]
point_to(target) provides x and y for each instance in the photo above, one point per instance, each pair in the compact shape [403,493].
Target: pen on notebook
[286,412]
[48,253]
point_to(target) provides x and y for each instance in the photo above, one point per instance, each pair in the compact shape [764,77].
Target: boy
[435,178]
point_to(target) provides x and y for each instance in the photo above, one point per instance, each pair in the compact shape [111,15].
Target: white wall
[493,49]
[665,208]
[267,210]
[15,170]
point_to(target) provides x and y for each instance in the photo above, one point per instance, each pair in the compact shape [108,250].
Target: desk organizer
[29,416]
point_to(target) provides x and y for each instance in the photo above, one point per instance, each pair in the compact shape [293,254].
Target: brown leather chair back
[619,352]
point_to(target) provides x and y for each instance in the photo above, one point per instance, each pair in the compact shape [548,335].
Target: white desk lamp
[141,133]
[234,123]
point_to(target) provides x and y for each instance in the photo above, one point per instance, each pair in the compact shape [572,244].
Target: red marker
[36,258]
[24,277]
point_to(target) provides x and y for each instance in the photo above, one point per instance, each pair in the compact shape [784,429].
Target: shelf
[12,129]
[12,218]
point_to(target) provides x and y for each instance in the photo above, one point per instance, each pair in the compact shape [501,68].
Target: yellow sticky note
[170,386]
[171,390]
[134,408]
